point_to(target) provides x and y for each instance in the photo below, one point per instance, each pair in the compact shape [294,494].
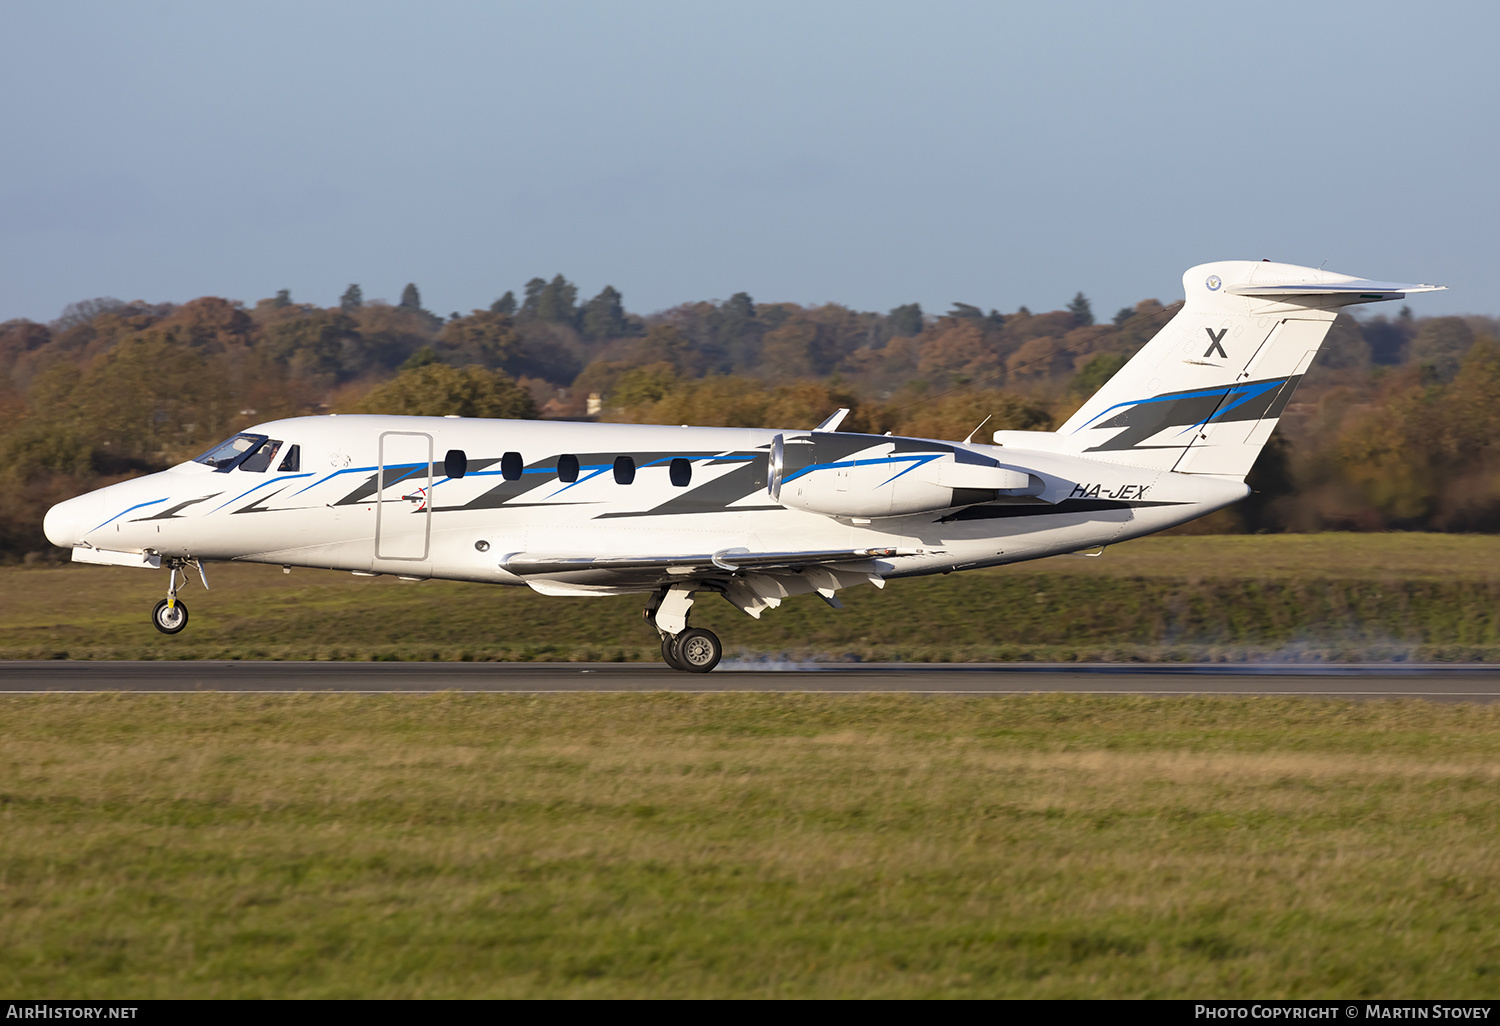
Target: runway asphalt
[1467,683]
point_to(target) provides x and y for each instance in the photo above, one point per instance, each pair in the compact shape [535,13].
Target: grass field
[738,845]
[1303,597]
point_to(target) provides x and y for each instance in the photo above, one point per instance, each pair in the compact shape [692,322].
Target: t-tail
[1203,396]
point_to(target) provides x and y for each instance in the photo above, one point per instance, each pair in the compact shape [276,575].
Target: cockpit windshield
[261,458]
[226,455]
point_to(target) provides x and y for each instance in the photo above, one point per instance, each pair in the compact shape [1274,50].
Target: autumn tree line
[1396,427]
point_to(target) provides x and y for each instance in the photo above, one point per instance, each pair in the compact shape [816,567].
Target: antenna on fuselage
[982,423]
[833,422]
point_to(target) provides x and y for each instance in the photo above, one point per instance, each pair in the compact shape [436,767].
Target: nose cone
[67,522]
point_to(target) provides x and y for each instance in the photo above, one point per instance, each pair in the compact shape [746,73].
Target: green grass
[1304,597]
[217,845]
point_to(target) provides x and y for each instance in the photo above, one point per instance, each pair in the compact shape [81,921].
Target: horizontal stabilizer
[525,563]
[1363,288]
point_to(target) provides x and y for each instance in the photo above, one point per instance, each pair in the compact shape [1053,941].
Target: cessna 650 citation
[754,515]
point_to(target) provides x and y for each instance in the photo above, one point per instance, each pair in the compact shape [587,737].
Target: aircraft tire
[669,651]
[698,650]
[169,621]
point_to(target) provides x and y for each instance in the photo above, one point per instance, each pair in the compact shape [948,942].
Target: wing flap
[527,563]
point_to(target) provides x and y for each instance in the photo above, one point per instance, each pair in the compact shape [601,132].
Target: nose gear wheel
[169,620]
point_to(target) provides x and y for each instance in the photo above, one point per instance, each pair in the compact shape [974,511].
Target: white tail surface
[1203,396]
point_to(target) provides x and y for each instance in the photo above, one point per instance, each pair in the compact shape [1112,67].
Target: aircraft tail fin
[1204,395]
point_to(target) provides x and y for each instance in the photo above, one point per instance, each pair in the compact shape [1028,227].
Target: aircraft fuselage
[379,494]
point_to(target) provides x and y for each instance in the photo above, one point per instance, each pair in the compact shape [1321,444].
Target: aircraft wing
[527,563]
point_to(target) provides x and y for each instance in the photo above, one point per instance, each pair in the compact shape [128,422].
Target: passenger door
[403,514]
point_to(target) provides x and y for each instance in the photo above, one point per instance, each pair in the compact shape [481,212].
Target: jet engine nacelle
[867,476]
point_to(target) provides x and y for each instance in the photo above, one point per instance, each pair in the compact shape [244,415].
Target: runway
[1465,683]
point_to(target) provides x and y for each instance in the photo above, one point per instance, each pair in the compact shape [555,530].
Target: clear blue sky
[870,153]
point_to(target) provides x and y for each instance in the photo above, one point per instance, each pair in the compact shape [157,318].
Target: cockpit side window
[260,459]
[226,455]
[292,462]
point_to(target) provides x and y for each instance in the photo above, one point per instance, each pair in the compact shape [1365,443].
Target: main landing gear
[171,615]
[682,647]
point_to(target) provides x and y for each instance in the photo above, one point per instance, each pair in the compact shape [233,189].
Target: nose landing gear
[171,615]
[694,650]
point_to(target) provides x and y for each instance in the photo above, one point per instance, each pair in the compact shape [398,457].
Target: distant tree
[738,307]
[283,298]
[505,305]
[153,395]
[411,299]
[735,329]
[484,338]
[604,316]
[1388,339]
[533,298]
[993,321]
[421,358]
[1441,345]
[905,321]
[390,334]
[664,344]
[955,416]
[958,349]
[18,339]
[310,345]
[84,311]
[1123,314]
[208,323]
[1082,312]
[352,299]
[639,386]
[558,302]
[1093,375]
[800,348]
[736,317]
[437,390]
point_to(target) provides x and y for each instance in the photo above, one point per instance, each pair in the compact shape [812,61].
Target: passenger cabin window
[512,466]
[292,461]
[455,464]
[624,470]
[681,472]
[260,460]
[226,455]
[567,468]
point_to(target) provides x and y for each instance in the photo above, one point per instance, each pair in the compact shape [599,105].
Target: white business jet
[754,515]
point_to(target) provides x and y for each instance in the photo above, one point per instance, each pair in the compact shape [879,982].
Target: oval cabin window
[624,470]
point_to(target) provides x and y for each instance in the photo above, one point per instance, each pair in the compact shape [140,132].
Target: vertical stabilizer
[1203,396]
